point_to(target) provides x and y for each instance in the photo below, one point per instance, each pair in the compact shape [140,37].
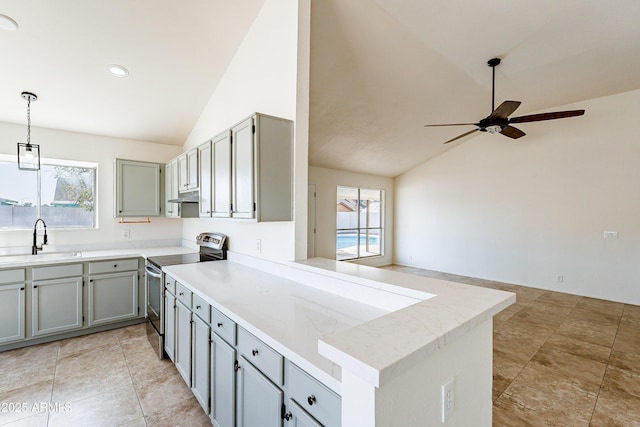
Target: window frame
[359,228]
[6,158]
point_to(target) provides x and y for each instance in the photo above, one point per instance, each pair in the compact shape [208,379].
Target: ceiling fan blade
[512,132]
[505,109]
[461,136]
[546,116]
[452,124]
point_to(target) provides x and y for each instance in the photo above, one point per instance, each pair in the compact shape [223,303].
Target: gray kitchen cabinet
[113,297]
[223,383]
[172,210]
[204,176]
[200,361]
[298,417]
[188,171]
[56,305]
[138,188]
[262,169]
[170,308]
[221,175]
[258,400]
[183,341]
[314,398]
[12,308]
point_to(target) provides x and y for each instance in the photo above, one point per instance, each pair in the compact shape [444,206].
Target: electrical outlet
[448,400]
[126,234]
[610,235]
[559,279]
[259,245]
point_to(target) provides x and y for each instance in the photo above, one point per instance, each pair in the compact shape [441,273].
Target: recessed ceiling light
[117,70]
[6,23]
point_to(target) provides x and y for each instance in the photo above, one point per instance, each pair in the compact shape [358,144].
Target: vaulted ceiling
[380,69]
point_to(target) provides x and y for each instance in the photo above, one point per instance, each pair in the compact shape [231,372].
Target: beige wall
[102,150]
[531,210]
[262,77]
[326,182]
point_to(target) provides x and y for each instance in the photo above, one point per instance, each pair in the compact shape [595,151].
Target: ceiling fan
[499,121]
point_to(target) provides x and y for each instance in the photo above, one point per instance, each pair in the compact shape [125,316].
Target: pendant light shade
[28,154]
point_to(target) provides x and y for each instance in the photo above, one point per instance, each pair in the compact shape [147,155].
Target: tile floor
[559,360]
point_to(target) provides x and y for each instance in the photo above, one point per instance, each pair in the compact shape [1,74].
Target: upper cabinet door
[243,170]
[138,188]
[183,173]
[192,167]
[221,175]
[204,165]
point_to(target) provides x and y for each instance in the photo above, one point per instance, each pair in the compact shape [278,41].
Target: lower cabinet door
[11,312]
[183,342]
[223,383]
[200,361]
[56,305]
[113,297]
[170,325]
[298,417]
[259,401]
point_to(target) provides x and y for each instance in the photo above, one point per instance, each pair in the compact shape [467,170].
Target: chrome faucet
[35,248]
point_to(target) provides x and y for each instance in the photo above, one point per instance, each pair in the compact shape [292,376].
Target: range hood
[190,197]
[183,200]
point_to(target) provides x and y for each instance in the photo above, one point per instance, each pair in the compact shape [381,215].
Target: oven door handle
[153,273]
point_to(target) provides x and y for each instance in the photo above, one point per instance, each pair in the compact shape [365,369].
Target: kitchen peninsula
[384,342]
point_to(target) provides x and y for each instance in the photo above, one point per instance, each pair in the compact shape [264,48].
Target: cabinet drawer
[313,396]
[12,276]
[201,308]
[223,326]
[170,284]
[263,357]
[56,271]
[113,266]
[183,294]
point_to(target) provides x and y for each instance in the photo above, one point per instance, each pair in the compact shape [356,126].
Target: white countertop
[286,315]
[13,261]
[323,315]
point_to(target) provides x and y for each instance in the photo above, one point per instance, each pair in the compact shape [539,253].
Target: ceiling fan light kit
[499,122]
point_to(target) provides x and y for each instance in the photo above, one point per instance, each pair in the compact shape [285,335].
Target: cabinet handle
[288,416]
[22,289]
[181,294]
[255,352]
[219,324]
[197,307]
[35,286]
[311,400]
[115,265]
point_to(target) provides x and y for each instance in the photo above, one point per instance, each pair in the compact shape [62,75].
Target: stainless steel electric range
[212,248]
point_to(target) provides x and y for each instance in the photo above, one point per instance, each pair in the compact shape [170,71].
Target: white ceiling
[380,69]
[175,51]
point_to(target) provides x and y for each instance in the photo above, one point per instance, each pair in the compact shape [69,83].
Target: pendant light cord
[28,121]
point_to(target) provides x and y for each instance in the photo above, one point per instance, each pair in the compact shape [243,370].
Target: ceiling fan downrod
[493,63]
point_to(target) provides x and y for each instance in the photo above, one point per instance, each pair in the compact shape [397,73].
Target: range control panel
[211,240]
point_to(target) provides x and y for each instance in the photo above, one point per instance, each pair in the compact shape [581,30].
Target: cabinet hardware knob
[115,265]
[311,400]
[22,289]
[288,416]
[197,307]
[255,352]
[181,293]
[219,324]
[35,286]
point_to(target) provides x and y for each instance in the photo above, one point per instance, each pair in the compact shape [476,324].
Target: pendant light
[28,154]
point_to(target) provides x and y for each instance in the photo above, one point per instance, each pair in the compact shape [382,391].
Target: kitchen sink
[39,257]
